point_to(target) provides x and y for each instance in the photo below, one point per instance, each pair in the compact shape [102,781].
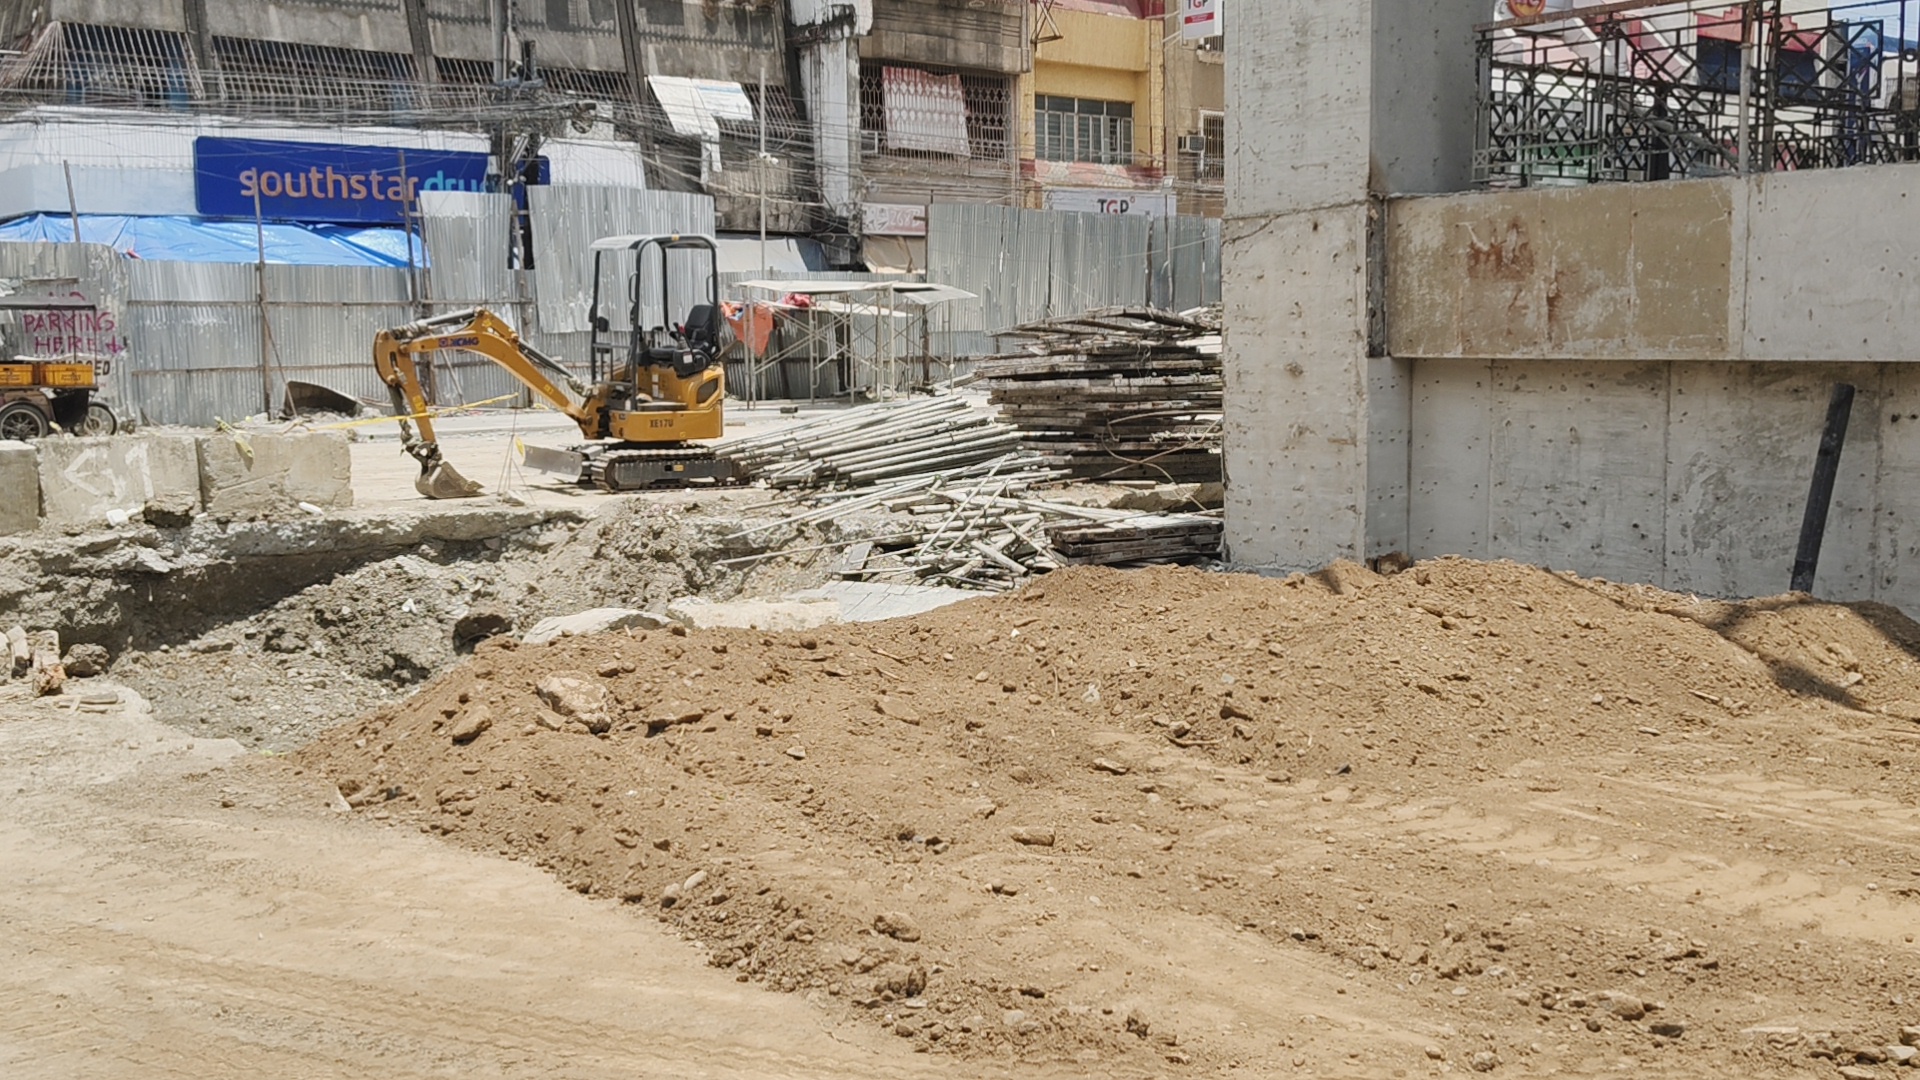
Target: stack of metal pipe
[876,443]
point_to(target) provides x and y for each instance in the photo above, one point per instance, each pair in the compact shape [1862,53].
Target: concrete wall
[1692,476]
[949,33]
[1331,106]
[170,478]
[1787,266]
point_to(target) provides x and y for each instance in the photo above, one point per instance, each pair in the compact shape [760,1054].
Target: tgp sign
[298,181]
[1110,201]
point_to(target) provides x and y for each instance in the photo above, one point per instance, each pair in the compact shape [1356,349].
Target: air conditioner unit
[1193,144]
[871,142]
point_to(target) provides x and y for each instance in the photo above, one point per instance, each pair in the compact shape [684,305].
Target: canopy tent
[191,239]
[874,335]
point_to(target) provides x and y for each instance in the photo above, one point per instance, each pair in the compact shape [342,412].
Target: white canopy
[917,292]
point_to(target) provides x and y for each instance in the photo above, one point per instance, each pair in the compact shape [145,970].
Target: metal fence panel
[468,237]
[1185,264]
[566,222]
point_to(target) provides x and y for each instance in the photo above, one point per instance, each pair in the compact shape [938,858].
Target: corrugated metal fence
[196,341]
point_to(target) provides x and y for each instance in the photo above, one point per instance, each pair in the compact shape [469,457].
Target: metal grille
[80,64]
[283,76]
[986,98]
[1626,92]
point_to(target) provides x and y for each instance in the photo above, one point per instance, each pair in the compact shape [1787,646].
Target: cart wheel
[23,422]
[98,421]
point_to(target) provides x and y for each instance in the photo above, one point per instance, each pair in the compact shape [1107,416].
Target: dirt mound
[1165,816]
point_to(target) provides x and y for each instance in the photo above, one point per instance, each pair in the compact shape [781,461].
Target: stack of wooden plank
[1116,394]
[1146,538]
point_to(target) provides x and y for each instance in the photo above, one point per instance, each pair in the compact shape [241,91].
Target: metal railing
[1655,91]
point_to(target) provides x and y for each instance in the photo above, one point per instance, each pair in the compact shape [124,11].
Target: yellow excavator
[655,389]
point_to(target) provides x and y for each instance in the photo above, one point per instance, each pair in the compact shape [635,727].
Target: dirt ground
[172,911]
[1465,818]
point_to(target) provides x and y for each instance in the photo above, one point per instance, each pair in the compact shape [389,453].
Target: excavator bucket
[443,481]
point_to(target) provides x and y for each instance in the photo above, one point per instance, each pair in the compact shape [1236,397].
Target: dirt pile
[371,634]
[1468,816]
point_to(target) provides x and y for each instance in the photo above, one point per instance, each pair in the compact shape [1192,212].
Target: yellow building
[1119,115]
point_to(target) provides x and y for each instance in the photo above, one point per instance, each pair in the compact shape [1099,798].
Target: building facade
[830,119]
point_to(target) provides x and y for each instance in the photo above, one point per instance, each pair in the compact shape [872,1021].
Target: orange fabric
[752,324]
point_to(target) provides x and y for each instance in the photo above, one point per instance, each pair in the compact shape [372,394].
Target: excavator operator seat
[703,327]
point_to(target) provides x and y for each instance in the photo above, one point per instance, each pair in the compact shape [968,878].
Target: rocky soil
[373,633]
[1473,817]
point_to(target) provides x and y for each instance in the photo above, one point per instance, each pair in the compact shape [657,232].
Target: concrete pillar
[1332,107]
[420,41]
[827,33]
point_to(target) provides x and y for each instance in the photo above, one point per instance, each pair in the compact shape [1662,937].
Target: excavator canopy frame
[667,344]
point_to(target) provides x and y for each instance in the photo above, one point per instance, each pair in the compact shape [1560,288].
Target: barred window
[1079,129]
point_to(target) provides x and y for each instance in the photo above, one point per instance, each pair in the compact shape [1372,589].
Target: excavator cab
[673,307]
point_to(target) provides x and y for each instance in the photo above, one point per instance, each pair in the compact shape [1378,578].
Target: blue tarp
[190,239]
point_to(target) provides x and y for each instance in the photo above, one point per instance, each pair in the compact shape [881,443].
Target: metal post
[73,205]
[260,297]
[1743,139]
[1826,469]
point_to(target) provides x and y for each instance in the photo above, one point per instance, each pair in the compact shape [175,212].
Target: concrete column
[1332,107]
[420,39]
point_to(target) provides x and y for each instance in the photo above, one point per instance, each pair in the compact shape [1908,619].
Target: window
[929,114]
[1213,134]
[1077,129]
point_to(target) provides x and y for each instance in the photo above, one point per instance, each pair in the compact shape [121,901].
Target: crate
[16,374]
[66,376]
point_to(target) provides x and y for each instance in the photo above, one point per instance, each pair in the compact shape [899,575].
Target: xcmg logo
[456,342]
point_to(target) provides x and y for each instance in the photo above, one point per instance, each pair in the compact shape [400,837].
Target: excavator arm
[396,354]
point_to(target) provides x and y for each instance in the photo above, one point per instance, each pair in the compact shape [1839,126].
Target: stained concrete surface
[19,487]
[82,479]
[1691,476]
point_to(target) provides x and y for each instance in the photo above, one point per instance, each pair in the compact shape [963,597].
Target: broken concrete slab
[593,621]
[249,475]
[697,614]
[20,480]
[869,601]
[83,478]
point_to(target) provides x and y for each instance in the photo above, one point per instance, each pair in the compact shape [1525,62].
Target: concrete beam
[82,479]
[263,475]
[20,479]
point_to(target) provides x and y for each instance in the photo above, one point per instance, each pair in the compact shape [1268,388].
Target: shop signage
[1112,201]
[297,181]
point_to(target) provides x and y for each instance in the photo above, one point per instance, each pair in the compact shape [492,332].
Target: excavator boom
[396,355]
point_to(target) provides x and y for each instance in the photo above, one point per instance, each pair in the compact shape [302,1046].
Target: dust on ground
[1467,817]
[171,913]
[370,634]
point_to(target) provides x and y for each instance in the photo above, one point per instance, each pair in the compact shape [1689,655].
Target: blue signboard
[297,181]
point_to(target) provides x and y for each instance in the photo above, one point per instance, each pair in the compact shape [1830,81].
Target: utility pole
[763,164]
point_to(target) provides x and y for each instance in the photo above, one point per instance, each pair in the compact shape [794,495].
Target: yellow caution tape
[428,415]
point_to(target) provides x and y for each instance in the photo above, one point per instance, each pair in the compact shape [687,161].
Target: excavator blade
[443,481]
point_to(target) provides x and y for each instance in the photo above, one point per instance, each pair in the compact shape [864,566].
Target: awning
[695,107]
[191,239]
[894,254]
[917,292]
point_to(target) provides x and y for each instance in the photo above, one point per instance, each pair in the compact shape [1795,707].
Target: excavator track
[642,469]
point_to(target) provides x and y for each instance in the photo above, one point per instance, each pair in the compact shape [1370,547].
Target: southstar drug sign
[297,181]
